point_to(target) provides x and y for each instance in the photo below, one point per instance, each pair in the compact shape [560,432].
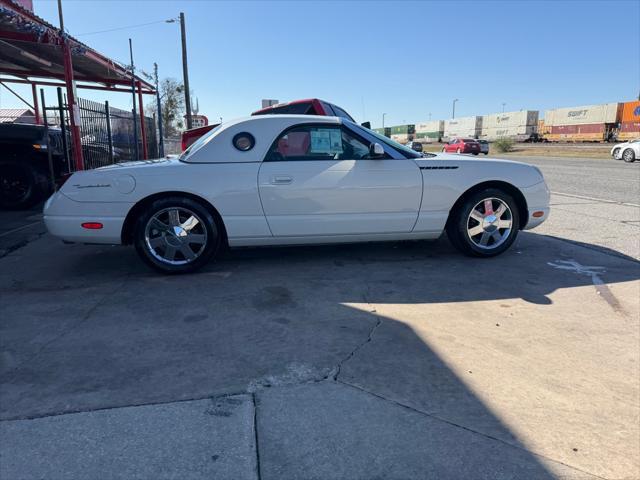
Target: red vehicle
[310,106]
[462,145]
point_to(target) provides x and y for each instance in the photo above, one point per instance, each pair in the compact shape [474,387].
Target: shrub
[504,144]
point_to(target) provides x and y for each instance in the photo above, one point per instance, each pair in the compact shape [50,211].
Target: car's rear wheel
[21,185]
[485,224]
[176,235]
[629,155]
[475,153]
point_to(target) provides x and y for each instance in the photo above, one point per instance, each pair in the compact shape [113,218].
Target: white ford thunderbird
[296,179]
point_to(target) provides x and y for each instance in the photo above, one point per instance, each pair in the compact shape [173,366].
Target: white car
[296,179]
[627,151]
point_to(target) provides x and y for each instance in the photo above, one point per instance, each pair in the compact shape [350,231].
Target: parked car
[25,177]
[462,145]
[283,180]
[627,151]
[484,146]
[309,106]
[415,146]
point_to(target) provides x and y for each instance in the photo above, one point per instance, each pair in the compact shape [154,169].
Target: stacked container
[402,133]
[630,121]
[465,127]
[431,131]
[518,126]
[587,123]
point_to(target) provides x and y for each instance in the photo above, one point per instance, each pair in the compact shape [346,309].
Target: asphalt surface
[397,360]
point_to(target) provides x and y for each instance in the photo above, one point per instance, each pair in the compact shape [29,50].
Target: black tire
[475,153]
[614,154]
[457,224]
[208,228]
[486,153]
[22,185]
[629,155]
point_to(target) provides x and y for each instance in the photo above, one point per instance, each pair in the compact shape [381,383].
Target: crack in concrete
[255,432]
[457,425]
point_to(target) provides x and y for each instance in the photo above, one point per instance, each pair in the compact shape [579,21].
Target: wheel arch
[135,211]
[509,188]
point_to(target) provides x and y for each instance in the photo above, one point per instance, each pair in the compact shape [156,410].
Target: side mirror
[376,150]
[366,125]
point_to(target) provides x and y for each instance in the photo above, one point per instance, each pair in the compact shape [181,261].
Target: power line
[125,28]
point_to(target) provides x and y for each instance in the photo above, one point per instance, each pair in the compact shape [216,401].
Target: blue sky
[406,59]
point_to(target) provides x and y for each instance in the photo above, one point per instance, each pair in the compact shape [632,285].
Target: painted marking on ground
[603,200]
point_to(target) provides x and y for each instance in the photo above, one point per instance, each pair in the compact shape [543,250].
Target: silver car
[484,146]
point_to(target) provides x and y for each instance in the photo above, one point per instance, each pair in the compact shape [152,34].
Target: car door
[319,180]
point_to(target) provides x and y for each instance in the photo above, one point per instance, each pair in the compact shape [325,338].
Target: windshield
[198,144]
[406,151]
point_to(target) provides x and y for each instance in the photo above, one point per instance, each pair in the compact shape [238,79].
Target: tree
[172,106]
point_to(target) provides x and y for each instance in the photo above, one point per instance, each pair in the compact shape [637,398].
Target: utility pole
[383,119]
[429,116]
[503,104]
[185,71]
[133,96]
[453,114]
[159,106]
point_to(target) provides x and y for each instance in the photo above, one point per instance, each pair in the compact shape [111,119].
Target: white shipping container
[400,137]
[588,114]
[431,126]
[510,119]
[462,127]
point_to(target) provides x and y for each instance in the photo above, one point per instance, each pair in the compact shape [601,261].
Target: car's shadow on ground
[93,328]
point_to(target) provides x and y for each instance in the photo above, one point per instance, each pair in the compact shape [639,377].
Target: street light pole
[503,104]
[383,119]
[453,114]
[185,71]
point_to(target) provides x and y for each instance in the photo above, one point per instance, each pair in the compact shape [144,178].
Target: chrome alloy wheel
[176,236]
[489,223]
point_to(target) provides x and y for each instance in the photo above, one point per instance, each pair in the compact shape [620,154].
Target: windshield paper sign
[326,141]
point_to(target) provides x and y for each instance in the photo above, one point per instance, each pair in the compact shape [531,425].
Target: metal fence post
[109,137]
[46,141]
[63,128]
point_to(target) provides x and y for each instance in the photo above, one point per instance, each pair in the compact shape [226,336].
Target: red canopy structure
[36,52]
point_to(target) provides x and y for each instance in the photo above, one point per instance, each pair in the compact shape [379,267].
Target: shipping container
[588,114]
[429,137]
[510,119]
[401,137]
[386,131]
[516,133]
[629,131]
[630,112]
[543,128]
[403,130]
[462,127]
[430,126]
[591,132]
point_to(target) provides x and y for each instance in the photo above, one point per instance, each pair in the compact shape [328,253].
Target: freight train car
[402,133]
[465,127]
[386,131]
[589,123]
[430,132]
[519,126]
[629,121]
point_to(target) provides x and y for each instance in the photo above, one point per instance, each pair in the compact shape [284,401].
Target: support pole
[36,110]
[133,93]
[159,119]
[143,127]
[63,130]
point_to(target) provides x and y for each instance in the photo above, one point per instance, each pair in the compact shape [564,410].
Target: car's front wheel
[629,155]
[614,154]
[176,235]
[485,224]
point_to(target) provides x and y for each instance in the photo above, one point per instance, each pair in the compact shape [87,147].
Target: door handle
[281,179]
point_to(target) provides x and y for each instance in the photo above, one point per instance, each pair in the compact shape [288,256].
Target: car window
[288,109]
[317,143]
[341,113]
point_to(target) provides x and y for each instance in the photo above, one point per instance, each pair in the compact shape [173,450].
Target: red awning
[31,47]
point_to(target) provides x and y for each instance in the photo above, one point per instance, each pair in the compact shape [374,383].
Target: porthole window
[244,141]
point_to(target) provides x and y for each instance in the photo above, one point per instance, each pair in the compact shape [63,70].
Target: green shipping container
[403,129]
